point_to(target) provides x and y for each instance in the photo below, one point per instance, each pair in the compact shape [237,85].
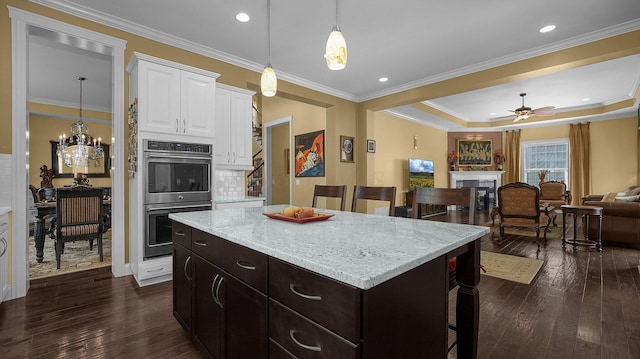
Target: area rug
[513,268]
[76,257]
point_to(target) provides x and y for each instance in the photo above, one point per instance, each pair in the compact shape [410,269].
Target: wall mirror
[97,168]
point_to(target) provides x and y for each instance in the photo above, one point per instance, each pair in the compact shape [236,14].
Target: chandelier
[79,148]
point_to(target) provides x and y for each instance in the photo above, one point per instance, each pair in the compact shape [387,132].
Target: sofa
[620,216]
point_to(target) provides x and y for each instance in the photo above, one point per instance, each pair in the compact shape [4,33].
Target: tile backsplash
[6,180]
[228,184]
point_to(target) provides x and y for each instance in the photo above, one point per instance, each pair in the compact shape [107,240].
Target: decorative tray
[316,217]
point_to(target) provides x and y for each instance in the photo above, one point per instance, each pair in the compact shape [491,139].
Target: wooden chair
[330,191]
[466,197]
[519,206]
[78,217]
[374,193]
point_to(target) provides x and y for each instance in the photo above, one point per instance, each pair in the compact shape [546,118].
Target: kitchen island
[353,286]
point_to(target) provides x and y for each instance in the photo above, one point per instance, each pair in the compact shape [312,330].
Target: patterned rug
[555,232]
[513,268]
[76,257]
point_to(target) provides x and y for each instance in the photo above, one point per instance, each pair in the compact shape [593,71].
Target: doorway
[278,161]
[23,23]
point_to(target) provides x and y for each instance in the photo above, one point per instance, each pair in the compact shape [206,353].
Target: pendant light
[268,80]
[336,52]
[76,150]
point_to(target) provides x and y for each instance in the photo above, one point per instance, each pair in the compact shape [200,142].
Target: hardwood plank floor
[582,304]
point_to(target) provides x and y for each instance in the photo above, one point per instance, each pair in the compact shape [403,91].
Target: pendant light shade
[336,52]
[268,82]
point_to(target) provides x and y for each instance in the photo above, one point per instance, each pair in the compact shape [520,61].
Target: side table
[586,211]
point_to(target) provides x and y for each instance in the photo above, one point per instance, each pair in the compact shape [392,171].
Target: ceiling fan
[524,112]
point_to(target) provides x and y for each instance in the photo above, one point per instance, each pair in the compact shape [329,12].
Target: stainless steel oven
[177,178]
[176,172]
[158,225]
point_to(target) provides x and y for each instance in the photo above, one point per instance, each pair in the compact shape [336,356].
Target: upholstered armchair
[519,206]
[554,193]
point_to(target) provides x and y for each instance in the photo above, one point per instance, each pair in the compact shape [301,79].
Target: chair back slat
[374,193]
[330,191]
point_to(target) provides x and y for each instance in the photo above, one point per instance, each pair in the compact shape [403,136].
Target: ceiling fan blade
[544,108]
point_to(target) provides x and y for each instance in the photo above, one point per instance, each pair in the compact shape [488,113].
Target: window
[546,155]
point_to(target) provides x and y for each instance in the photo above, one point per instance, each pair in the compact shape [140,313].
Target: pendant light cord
[269,32]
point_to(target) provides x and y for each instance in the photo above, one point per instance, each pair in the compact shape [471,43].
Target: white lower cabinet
[4,256]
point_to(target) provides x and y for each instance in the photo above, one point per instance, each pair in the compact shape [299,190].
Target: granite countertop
[361,250]
[238,199]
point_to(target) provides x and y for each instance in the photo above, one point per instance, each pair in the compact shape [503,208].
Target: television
[420,173]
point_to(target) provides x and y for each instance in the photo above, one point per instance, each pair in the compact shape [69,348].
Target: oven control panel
[164,146]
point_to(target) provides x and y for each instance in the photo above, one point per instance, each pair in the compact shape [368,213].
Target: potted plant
[453,157]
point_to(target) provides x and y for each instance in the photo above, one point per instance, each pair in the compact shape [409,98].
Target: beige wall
[614,153]
[279,163]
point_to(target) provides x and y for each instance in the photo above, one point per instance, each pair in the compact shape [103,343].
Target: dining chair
[519,206]
[330,191]
[79,216]
[374,193]
[466,197]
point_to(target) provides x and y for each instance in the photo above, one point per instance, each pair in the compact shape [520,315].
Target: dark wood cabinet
[182,276]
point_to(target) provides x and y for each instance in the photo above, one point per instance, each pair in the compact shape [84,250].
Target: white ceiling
[412,42]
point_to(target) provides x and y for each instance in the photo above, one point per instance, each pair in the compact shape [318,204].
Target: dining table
[48,207]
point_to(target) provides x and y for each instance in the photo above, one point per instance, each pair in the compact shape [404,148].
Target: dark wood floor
[581,304]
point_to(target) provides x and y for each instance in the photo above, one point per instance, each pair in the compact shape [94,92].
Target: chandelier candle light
[79,148]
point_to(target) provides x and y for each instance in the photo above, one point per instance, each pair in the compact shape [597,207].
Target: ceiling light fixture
[336,51]
[547,28]
[243,17]
[383,79]
[80,147]
[268,80]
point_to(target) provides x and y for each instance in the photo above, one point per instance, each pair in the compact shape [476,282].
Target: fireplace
[486,182]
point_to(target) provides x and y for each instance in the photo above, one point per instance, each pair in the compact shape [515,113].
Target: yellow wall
[614,155]
[395,145]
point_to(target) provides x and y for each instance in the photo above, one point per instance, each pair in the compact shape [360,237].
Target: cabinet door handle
[200,243]
[218,292]
[234,157]
[213,291]
[184,126]
[177,126]
[186,263]
[245,266]
[305,296]
[308,347]
[228,157]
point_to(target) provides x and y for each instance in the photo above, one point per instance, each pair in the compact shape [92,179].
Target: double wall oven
[177,178]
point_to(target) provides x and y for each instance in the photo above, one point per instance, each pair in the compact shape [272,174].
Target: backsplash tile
[6,180]
[229,184]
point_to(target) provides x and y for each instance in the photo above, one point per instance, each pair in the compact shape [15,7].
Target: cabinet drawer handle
[186,263]
[305,296]
[245,266]
[155,270]
[179,233]
[308,347]
[200,243]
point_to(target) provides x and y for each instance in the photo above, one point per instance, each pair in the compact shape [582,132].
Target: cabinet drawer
[155,268]
[276,351]
[330,303]
[304,338]
[246,264]
[181,234]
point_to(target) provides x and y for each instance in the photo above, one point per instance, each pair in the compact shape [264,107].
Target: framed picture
[371,146]
[309,154]
[346,149]
[475,153]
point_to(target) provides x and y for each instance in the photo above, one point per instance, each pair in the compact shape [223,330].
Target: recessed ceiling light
[548,28]
[383,79]
[243,17]
[492,114]
[586,99]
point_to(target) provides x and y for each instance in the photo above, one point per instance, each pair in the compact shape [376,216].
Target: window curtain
[579,161]
[512,157]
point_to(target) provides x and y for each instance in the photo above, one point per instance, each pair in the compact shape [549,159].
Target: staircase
[255,177]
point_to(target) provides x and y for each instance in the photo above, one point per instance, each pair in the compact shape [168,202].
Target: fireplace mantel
[475,175]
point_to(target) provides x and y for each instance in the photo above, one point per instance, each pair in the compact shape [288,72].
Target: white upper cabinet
[173,99]
[233,148]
